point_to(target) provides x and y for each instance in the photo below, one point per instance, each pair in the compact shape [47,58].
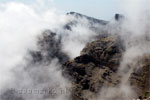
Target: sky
[101,9]
[104,9]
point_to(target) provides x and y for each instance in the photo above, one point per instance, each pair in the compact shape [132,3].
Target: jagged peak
[95,20]
[118,17]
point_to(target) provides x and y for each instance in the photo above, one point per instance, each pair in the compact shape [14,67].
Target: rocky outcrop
[49,49]
[97,67]
[140,78]
[90,19]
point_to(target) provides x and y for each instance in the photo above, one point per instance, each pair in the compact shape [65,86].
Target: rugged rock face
[91,20]
[97,67]
[49,48]
[48,53]
[140,78]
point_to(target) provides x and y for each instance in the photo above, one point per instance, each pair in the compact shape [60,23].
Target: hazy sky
[102,9]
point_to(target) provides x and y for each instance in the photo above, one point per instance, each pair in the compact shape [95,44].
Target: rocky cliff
[94,74]
[97,67]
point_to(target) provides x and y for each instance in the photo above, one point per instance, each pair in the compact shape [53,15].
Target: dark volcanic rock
[119,17]
[106,51]
[140,78]
[91,20]
[97,67]
[49,49]
[94,68]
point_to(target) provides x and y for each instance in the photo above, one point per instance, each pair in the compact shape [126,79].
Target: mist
[135,33]
[31,63]
[31,66]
